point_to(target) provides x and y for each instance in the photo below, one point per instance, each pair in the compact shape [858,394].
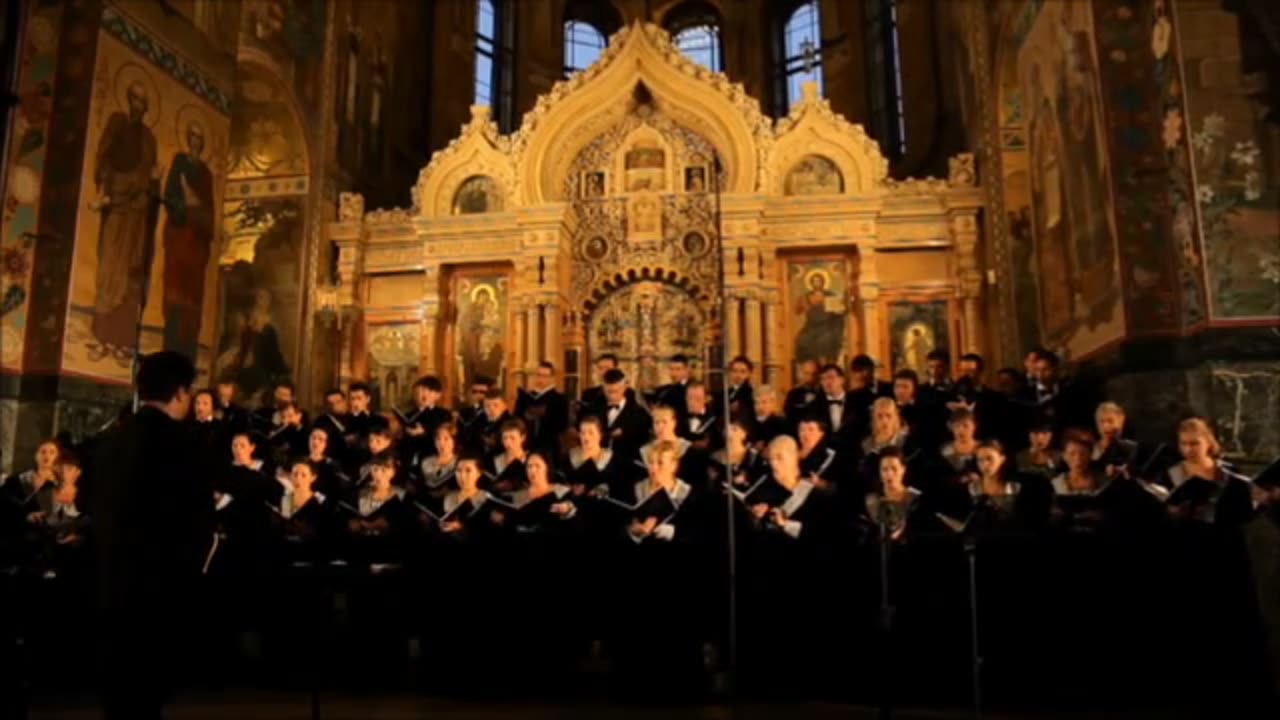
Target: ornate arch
[813,128]
[264,100]
[580,108]
[607,285]
[478,151]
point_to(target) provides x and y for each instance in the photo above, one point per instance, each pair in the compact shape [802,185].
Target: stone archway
[644,323]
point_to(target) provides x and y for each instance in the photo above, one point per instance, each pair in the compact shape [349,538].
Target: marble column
[755,337]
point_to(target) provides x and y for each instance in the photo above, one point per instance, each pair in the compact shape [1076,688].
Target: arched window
[884,77]
[494,56]
[800,47]
[587,27]
[695,30]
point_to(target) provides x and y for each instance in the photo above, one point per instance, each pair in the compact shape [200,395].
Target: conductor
[154,532]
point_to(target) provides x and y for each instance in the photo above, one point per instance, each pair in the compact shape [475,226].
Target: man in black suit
[544,409]
[153,522]
[421,422]
[233,417]
[471,408]
[593,401]
[987,405]
[626,424]
[742,399]
[801,397]
[847,423]
[673,393]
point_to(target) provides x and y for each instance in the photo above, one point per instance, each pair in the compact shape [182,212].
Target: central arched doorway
[644,323]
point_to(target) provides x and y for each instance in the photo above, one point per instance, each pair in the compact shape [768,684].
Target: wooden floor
[270,706]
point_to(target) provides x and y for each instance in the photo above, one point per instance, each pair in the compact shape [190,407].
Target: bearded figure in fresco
[125,176]
[188,238]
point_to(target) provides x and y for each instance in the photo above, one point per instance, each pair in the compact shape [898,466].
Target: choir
[627,499]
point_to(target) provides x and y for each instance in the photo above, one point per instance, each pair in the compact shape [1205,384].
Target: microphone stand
[970,541]
[730,514]
[148,254]
[886,604]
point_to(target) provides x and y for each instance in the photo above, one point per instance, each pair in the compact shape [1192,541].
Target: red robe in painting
[188,237]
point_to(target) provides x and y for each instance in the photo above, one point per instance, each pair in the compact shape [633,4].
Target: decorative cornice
[124,30]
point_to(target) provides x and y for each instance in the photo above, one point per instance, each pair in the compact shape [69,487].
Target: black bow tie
[615,407]
[831,401]
[698,416]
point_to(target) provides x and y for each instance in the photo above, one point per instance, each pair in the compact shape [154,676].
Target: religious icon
[477,194]
[645,215]
[592,185]
[917,343]
[694,244]
[481,326]
[819,302]
[695,179]
[596,248]
[814,175]
[646,168]
[916,328]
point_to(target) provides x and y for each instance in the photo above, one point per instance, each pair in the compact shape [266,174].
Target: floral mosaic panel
[1236,155]
[25,167]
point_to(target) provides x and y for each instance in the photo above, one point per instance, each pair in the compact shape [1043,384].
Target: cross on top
[810,55]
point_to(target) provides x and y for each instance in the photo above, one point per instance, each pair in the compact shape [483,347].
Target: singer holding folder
[151,545]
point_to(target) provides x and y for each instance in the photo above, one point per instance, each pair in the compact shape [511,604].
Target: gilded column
[551,334]
[428,351]
[519,346]
[869,296]
[533,327]
[964,233]
[346,337]
[772,335]
[733,323]
[755,335]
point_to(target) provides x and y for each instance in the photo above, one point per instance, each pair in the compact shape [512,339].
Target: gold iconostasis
[602,225]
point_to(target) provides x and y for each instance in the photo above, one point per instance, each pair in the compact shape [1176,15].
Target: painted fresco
[153,167]
[259,277]
[266,136]
[1155,200]
[292,32]
[818,302]
[1072,214]
[480,334]
[1237,166]
[915,330]
[25,165]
